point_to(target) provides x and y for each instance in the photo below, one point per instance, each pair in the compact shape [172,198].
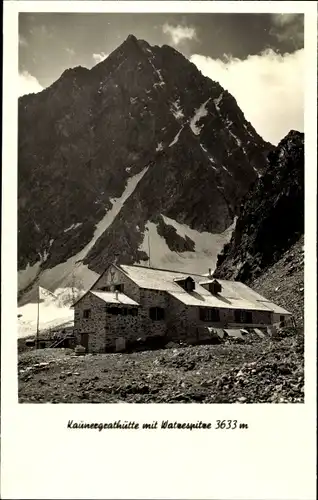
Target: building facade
[134,303]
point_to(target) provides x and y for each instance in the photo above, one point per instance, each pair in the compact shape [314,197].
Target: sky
[258,58]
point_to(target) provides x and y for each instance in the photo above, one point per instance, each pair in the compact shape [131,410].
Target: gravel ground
[266,371]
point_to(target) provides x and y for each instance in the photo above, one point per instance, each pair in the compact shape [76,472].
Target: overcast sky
[258,58]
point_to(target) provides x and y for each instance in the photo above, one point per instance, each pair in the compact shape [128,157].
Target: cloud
[179,34]
[71,52]
[288,28]
[99,57]
[28,84]
[269,88]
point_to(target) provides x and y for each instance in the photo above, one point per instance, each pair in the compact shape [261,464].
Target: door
[120,344]
[84,340]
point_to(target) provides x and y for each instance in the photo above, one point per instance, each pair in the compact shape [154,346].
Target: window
[156,313]
[122,311]
[187,284]
[105,288]
[282,321]
[209,314]
[113,310]
[243,316]
[119,288]
[215,287]
[248,317]
[86,313]
[133,311]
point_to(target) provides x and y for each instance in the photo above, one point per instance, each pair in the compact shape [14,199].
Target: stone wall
[94,326]
[105,328]
[148,299]
[183,321]
[121,327]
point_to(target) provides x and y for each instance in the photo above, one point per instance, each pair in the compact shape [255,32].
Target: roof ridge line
[160,269]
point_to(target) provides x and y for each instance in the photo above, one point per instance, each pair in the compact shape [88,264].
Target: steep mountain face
[266,248]
[106,154]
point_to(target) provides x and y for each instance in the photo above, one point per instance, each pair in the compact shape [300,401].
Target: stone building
[134,303]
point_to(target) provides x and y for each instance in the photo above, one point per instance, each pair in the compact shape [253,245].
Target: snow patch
[209,157]
[73,226]
[198,114]
[50,316]
[207,247]
[227,171]
[158,73]
[45,255]
[176,110]
[248,130]
[175,140]
[237,140]
[217,102]
[160,84]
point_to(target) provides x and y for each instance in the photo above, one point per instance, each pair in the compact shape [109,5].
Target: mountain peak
[131,38]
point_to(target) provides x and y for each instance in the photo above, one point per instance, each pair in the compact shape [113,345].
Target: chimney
[210,272]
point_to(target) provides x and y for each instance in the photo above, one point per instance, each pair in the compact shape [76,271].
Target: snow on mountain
[72,226]
[176,110]
[199,113]
[207,247]
[176,138]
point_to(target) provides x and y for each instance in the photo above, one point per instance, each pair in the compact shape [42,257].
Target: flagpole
[37,322]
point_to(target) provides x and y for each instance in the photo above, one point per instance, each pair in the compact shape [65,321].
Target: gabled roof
[156,279]
[234,295]
[207,282]
[183,278]
[110,298]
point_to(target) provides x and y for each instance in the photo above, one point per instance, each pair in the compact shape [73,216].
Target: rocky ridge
[271,217]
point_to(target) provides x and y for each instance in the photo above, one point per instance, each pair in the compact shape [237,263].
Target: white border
[275,459]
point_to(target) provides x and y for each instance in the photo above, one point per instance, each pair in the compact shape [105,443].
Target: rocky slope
[264,371]
[266,249]
[105,152]
[283,282]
